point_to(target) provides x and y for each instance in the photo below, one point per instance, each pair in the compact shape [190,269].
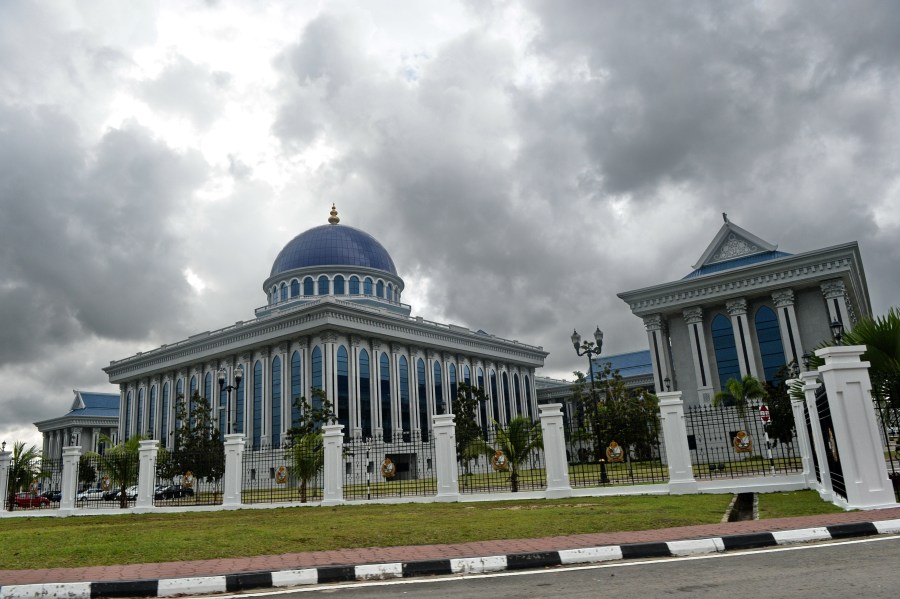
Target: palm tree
[881,336]
[517,441]
[120,463]
[740,393]
[24,468]
[307,456]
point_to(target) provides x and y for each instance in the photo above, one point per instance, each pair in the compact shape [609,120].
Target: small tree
[87,475]
[24,467]
[307,455]
[313,414]
[120,463]
[739,394]
[517,441]
[198,446]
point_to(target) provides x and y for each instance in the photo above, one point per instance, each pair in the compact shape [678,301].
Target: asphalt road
[867,568]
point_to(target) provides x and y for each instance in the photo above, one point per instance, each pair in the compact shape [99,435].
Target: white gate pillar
[861,455]
[823,484]
[678,454]
[803,440]
[71,456]
[146,472]
[334,462]
[234,470]
[5,461]
[444,430]
[555,461]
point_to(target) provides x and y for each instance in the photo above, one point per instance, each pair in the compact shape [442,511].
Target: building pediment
[733,242]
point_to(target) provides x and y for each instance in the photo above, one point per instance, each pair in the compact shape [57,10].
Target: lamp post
[591,349]
[223,376]
[837,331]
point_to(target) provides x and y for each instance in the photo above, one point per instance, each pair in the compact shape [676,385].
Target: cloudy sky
[521,161]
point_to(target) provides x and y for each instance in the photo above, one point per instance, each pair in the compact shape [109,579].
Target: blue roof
[98,404]
[333,245]
[636,363]
[736,263]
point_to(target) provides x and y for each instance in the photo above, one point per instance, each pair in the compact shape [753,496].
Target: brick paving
[373,555]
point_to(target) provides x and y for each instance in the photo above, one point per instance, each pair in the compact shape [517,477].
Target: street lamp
[223,376]
[806,357]
[837,331]
[591,349]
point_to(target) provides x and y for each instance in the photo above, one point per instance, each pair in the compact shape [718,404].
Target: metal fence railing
[497,464]
[189,477]
[724,444]
[374,469]
[289,473]
[36,487]
[101,479]
[887,416]
[617,462]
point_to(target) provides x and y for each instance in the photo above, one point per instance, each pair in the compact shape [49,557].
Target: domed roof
[333,245]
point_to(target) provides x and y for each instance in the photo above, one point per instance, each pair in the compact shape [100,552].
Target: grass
[35,543]
[794,503]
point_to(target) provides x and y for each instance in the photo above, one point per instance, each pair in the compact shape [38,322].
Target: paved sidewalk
[171,578]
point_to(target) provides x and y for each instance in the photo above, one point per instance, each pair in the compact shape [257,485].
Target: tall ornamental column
[857,438]
[555,463]
[678,454]
[659,350]
[737,310]
[445,457]
[787,324]
[693,316]
[835,298]
[334,464]
[265,356]
[375,388]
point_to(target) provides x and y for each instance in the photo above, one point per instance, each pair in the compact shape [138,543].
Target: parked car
[52,496]
[31,500]
[116,494]
[173,492]
[90,495]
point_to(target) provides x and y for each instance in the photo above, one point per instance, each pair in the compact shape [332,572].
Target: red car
[31,500]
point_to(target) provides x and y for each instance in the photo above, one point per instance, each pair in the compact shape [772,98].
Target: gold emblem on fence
[832,446]
[743,443]
[614,453]
[105,485]
[188,480]
[34,487]
[281,475]
[388,468]
[499,461]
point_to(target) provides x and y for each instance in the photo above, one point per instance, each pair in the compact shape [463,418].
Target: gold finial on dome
[333,219]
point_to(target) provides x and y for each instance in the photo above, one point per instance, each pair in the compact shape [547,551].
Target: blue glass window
[354,285]
[422,389]
[451,373]
[308,286]
[323,285]
[223,408]
[295,288]
[339,285]
[528,394]
[379,288]
[390,292]
[506,400]
[384,368]
[726,350]
[365,395]
[208,394]
[179,396]
[296,390]
[343,390]
[520,402]
[405,420]
[318,375]
[367,286]
[284,292]
[274,295]
[467,375]
[164,417]
[276,401]
[438,388]
[257,404]
[771,349]
[128,409]
[151,414]
[495,397]
[485,421]
[239,408]
[139,429]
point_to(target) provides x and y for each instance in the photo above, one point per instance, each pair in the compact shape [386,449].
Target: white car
[90,495]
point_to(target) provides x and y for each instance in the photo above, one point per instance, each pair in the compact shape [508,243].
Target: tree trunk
[303,491]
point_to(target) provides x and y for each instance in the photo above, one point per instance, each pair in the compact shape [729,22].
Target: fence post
[444,430]
[146,472]
[803,440]
[678,454]
[5,461]
[555,462]
[823,483]
[234,470]
[856,433]
[334,461]
[70,459]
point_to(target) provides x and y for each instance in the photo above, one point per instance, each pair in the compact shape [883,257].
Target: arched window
[367,286]
[422,389]
[323,285]
[295,288]
[467,375]
[438,388]
[239,408]
[384,367]
[343,390]
[451,373]
[151,413]
[208,394]
[257,404]
[771,349]
[128,410]
[164,416]
[296,389]
[485,418]
[390,292]
[191,399]
[339,285]
[405,420]
[273,295]
[365,395]
[528,395]
[506,400]
[354,285]
[276,402]
[517,389]
[379,288]
[179,396]
[308,286]
[495,397]
[139,429]
[223,412]
[284,292]
[726,350]
[318,375]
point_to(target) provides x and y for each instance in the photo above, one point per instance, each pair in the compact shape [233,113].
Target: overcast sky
[522,162]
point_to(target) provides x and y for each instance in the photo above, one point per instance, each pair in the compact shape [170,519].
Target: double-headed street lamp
[223,376]
[591,349]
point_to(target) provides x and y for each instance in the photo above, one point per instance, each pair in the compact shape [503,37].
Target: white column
[823,483]
[694,318]
[659,350]
[70,458]
[557,467]
[234,470]
[445,457]
[856,432]
[5,460]
[737,310]
[334,464]
[266,420]
[834,293]
[146,473]
[803,440]
[787,325]
[678,455]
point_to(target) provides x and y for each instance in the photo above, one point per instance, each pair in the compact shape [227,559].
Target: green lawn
[102,540]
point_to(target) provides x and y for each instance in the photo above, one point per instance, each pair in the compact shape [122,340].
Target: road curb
[170,587]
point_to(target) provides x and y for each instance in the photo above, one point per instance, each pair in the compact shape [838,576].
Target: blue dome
[333,245]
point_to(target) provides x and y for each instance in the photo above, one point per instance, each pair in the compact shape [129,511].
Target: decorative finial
[725,217]
[333,219]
